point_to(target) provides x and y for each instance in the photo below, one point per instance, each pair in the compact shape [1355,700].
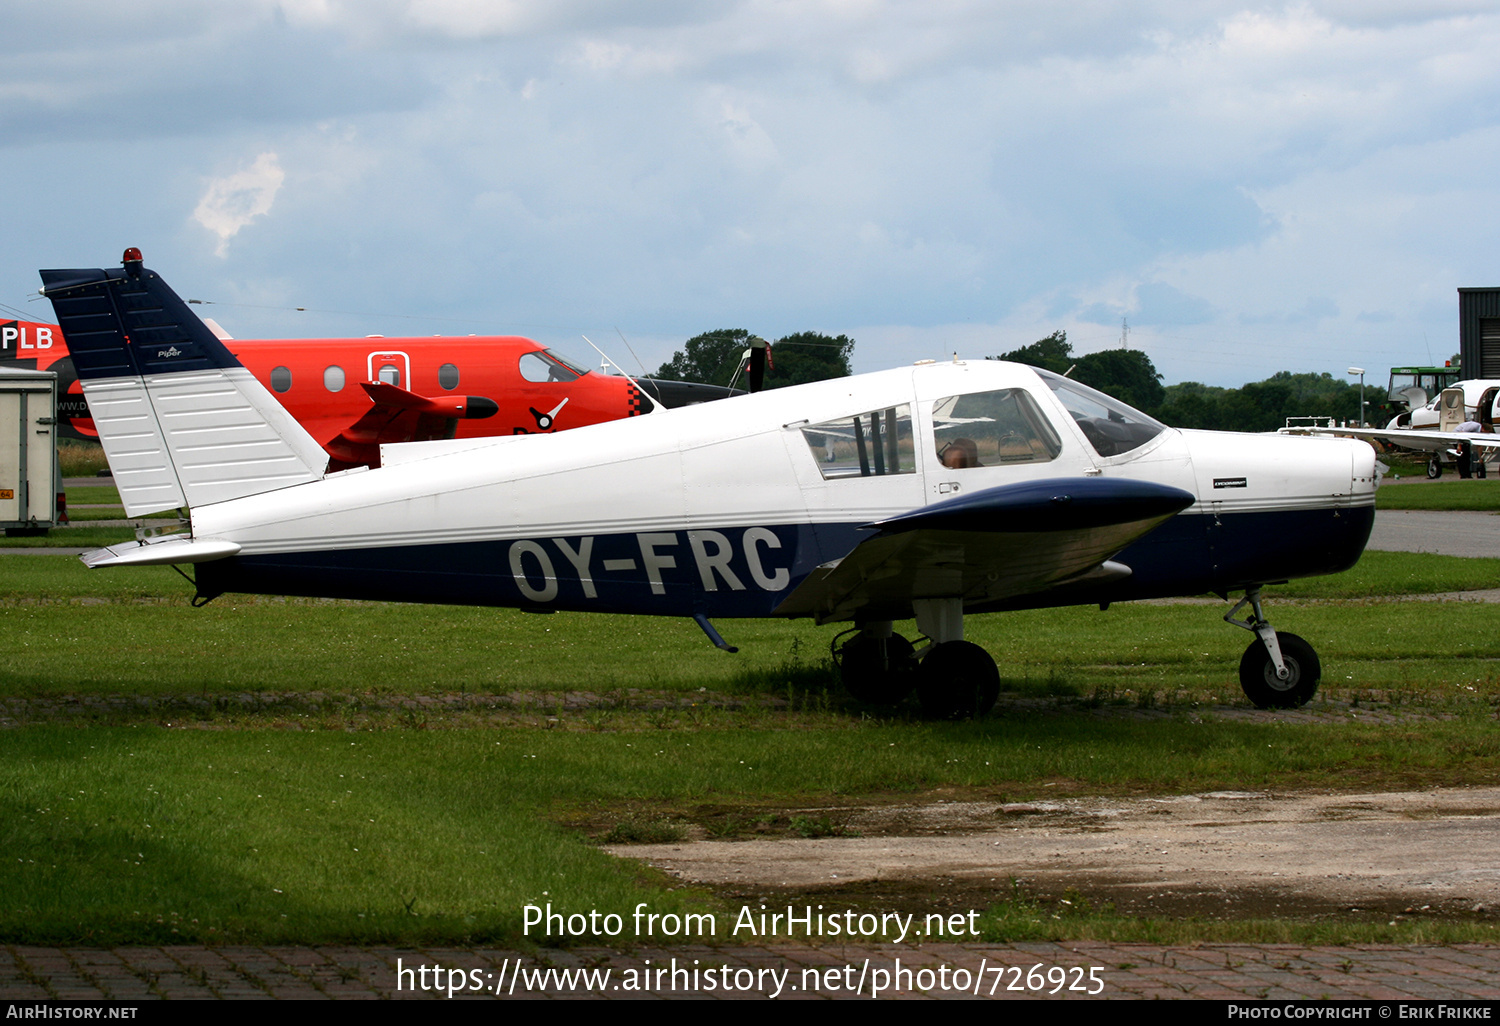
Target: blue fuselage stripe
[748,572]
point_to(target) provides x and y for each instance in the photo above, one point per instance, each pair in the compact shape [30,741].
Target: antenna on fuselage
[638,360]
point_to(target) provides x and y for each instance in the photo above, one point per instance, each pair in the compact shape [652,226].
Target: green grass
[1442,495]
[232,646]
[103,493]
[51,610]
[72,538]
[149,835]
[1021,917]
[83,516]
[1397,573]
[280,824]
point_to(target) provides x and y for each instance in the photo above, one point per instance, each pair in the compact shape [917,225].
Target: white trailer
[31,489]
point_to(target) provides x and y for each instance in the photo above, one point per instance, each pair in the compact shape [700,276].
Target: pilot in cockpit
[959,454]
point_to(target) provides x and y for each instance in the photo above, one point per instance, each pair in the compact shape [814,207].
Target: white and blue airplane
[932,492]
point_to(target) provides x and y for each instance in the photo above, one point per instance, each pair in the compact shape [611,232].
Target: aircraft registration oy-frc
[933,492]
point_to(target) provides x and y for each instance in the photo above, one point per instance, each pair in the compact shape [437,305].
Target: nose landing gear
[1279,670]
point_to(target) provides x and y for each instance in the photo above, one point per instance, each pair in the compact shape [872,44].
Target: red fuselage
[445,381]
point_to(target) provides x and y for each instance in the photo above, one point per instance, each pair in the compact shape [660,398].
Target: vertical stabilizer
[182,422]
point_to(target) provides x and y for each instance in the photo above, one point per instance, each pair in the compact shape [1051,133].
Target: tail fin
[182,422]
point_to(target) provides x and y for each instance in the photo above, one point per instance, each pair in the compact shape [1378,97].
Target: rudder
[181,420]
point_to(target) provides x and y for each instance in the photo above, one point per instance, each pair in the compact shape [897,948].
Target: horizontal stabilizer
[182,422]
[160,552]
[468,407]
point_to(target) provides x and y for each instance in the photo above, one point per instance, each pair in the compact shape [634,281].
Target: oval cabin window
[448,376]
[333,379]
[281,379]
[390,374]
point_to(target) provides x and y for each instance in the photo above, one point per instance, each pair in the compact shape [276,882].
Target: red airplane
[355,394]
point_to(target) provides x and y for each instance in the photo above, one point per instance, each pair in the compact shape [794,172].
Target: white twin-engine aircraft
[932,491]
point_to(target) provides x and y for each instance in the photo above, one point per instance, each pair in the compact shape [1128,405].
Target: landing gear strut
[1279,670]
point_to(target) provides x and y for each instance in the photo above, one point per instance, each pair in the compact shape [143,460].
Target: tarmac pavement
[1089,970]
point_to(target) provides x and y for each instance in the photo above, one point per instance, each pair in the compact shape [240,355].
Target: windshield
[545,365]
[1111,427]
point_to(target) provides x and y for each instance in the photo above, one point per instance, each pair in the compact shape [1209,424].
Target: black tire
[958,680]
[1434,468]
[1258,673]
[880,671]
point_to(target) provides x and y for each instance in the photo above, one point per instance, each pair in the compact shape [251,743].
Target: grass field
[1483,496]
[144,799]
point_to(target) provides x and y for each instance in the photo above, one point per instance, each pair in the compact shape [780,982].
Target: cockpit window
[872,444]
[1111,427]
[992,429]
[545,365]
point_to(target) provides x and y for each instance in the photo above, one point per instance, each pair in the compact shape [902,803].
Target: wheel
[958,680]
[1265,689]
[1435,468]
[1479,469]
[881,671]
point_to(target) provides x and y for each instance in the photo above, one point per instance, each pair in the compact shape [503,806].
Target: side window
[872,444]
[390,374]
[333,378]
[281,379]
[992,429]
[448,376]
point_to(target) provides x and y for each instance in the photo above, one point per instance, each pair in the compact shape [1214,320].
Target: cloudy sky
[1252,187]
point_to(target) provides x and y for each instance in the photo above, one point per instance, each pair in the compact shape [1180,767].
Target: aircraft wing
[1407,438]
[988,546]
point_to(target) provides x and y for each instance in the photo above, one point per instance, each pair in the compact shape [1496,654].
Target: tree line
[717,357]
[1129,375]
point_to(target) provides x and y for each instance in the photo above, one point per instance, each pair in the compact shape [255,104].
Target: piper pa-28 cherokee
[932,491]
[355,394]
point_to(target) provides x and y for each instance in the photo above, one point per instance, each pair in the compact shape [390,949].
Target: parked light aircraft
[355,394]
[1435,428]
[1477,396]
[1058,495]
[1471,402]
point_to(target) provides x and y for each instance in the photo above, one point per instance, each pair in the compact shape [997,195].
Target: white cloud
[235,200]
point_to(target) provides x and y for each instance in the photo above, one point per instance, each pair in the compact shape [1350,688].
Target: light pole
[1361,372]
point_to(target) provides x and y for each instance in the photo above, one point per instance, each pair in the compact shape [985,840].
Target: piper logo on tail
[174,351]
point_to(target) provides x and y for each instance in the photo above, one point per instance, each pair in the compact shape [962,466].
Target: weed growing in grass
[659,831]
[819,826]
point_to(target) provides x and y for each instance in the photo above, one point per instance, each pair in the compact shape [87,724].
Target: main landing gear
[1279,670]
[954,679]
